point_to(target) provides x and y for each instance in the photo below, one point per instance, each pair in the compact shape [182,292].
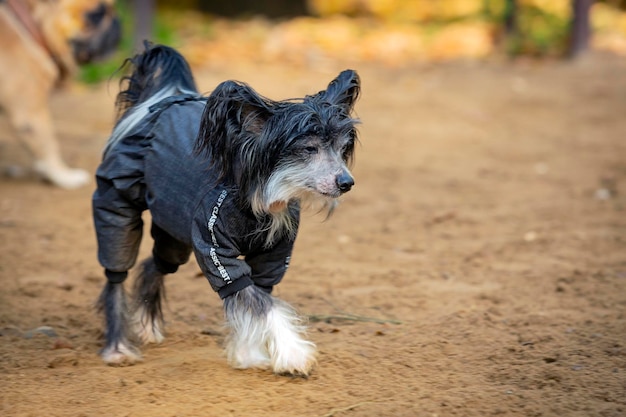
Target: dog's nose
[344,182]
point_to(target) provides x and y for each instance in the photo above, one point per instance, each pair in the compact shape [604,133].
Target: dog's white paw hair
[245,354]
[146,328]
[121,354]
[61,176]
[289,351]
[246,345]
[272,340]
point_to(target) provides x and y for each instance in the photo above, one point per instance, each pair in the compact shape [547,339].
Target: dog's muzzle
[344,181]
[103,36]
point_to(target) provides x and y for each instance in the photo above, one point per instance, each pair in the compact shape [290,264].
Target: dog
[224,176]
[42,42]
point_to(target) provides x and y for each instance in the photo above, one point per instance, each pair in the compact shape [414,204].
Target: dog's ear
[234,117]
[344,90]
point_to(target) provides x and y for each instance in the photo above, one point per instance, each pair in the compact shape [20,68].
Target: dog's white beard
[268,338]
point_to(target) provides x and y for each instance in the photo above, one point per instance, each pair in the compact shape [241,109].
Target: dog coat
[154,167]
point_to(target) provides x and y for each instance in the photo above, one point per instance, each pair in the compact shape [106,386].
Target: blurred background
[394,33]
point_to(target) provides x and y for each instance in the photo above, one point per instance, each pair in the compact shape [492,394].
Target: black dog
[223,176]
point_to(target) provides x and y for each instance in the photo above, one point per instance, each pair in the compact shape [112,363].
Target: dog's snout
[344,182]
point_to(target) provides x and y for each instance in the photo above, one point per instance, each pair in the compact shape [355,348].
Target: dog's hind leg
[118,349]
[149,292]
[148,312]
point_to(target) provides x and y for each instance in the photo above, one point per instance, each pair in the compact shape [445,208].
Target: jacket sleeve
[216,250]
[270,265]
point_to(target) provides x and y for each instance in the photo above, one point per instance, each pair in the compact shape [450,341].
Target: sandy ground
[480,259]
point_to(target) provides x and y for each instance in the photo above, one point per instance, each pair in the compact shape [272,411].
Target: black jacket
[154,167]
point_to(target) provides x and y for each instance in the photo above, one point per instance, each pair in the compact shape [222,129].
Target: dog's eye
[311,150]
[346,152]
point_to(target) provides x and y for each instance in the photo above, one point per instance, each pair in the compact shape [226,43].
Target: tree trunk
[143,16]
[580,32]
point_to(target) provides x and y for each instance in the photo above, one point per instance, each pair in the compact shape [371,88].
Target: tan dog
[41,43]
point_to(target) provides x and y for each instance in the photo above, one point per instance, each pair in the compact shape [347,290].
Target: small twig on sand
[349,317]
[342,315]
[332,412]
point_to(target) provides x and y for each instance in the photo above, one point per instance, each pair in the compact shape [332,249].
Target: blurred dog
[223,176]
[41,43]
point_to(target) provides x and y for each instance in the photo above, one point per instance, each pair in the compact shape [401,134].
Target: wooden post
[580,32]
[143,16]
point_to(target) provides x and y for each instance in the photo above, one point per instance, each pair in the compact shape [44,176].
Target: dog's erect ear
[344,90]
[242,106]
[234,117]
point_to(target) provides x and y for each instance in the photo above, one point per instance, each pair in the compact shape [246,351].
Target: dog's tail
[156,73]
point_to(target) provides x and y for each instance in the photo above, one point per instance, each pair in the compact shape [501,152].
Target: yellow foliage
[560,8]
[333,7]
[306,38]
[399,10]
[382,8]
[605,17]
[393,46]
[609,25]
[495,7]
[393,37]
[461,40]
[455,9]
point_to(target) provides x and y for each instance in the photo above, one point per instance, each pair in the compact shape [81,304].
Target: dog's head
[78,31]
[280,151]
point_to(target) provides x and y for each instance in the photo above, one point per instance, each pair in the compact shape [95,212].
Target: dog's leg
[246,343]
[33,123]
[167,254]
[291,354]
[118,349]
[148,313]
[266,332]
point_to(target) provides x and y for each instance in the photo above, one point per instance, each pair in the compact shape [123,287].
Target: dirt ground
[478,267]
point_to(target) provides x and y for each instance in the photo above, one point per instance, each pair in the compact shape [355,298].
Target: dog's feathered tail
[156,73]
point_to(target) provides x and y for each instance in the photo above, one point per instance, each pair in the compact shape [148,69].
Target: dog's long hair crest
[233,120]
[245,135]
[158,70]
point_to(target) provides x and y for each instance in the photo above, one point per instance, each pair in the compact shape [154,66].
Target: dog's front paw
[296,357]
[68,178]
[120,354]
[247,355]
[290,353]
